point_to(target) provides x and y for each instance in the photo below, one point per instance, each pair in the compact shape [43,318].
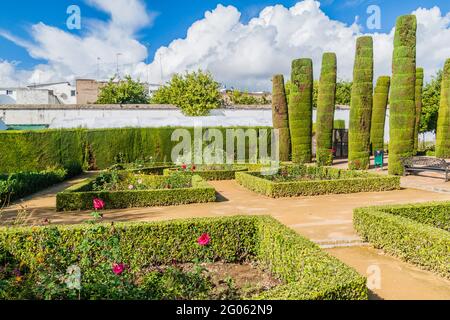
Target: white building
[27,96]
[64,91]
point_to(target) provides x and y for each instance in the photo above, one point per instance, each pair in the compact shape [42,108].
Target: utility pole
[160,64]
[98,68]
[147,61]
[117,61]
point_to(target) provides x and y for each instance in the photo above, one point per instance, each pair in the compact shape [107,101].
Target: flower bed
[18,185]
[209,172]
[419,234]
[122,189]
[294,181]
[136,260]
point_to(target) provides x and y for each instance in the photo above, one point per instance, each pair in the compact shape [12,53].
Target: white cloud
[238,54]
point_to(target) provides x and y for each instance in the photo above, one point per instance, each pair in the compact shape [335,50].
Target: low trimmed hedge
[211,175]
[343,182]
[307,271]
[80,196]
[18,185]
[419,234]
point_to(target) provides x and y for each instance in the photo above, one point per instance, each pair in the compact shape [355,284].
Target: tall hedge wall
[402,103]
[361,105]
[380,102]
[325,108]
[95,149]
[443,126]
[280,116]
[301,110]
[418,98]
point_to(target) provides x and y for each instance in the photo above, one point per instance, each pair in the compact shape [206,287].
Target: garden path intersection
[325,219]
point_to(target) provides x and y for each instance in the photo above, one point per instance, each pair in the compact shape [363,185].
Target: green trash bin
[379,159]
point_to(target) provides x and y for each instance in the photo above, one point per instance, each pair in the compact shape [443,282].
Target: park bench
[420,164]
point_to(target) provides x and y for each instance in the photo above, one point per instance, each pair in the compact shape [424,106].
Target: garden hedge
[308,273]
[91,149]
[18,185]
[443,126]
[418,101]
[402,116]
[280,116]
[419,234]
[380,102]
[301,110]
[212,175]
[343,182]
[361,106]
[325,109]
[80,196]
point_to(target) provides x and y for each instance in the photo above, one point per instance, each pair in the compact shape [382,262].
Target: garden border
[415,233]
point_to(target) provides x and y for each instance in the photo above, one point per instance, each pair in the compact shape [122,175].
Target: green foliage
[19,185]
[125,91]
[418,100]
[443,125]
[431,98]
[339,182]
[308,272]
[343,92]
[92,149]
[402,116]
[415,233]
[361,105]
[244,98]
[380,102]
[280,116]
[158,191]
[209,172]
[300,110]
[325,109]
[195,93]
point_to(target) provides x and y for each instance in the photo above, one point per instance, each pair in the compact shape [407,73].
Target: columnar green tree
[361,105]
[300,110]
[280,116]
[402,102]
[418,98]
[443,126]
[325,109]
[380,101]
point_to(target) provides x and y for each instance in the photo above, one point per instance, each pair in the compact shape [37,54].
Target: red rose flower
[118,268]
[99,204]
[184,167]
[204,240]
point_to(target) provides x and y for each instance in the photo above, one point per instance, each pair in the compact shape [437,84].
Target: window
[73,93]
[9,92]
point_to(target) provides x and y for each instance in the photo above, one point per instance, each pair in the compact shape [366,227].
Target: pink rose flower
[130,187]
[204,240]
[118,268]
[99,204]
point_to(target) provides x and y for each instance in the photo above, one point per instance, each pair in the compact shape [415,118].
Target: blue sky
[170,20]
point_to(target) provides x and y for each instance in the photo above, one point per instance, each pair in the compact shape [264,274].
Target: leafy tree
[430,104]
[126,91]
[238,97]
[195,93]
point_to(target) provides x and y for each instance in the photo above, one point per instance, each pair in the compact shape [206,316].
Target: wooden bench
[420,164]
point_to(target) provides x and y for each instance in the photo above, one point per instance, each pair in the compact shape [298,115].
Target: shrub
[402,116]
[325,109]
[195,93]
[327,181]
[80,197]
[19,185]
[300,110]
[418,101]
[419,234]
[443,126]
[307,271]
[280,116]
[361,106]
[125,91]
[380,102]
[243,98]
[208,172]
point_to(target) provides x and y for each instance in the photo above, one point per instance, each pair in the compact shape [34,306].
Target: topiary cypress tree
[300,110]
[402,117]
[361,105]
[380,101]
[280,116]
[325,109]
[443,125]
[418,100]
